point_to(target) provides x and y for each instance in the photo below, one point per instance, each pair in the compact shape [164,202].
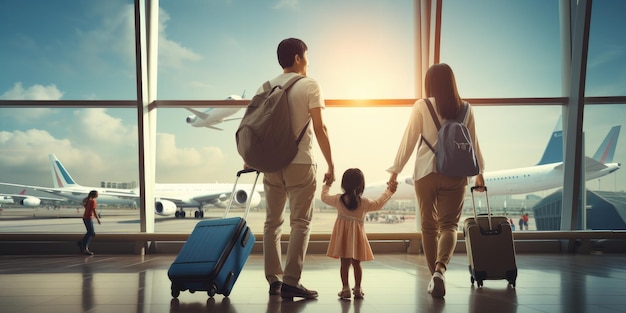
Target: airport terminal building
[117,89]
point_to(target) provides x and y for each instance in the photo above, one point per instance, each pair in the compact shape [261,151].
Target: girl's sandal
[358,293]
[344,294]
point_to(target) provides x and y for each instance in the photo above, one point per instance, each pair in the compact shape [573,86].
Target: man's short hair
[287,50]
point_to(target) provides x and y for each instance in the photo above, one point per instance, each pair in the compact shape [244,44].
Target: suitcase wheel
[175,293]
[212,290]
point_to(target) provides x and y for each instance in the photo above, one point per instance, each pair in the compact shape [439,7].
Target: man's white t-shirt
[304,95]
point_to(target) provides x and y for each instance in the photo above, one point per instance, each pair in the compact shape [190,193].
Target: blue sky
[83,50]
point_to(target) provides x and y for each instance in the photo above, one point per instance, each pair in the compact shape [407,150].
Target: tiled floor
[392,283]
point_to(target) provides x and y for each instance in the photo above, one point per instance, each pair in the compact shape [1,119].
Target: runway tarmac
[68,220]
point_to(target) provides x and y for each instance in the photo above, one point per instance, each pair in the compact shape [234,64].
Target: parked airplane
[213,116]
[26,200]
[546,174]
[170,199]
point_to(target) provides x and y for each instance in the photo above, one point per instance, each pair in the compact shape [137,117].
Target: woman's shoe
[358,293]
[436,286]
[344,293]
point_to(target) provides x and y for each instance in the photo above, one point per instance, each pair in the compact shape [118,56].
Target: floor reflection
[393,283]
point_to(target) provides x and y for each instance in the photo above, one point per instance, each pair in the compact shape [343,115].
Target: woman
[440,197]
[90,212]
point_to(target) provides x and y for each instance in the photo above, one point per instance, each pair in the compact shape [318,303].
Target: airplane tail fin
[606,151]
[554,149]
[60,176]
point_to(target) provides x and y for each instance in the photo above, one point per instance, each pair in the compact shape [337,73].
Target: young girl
[90,212]
[348,240]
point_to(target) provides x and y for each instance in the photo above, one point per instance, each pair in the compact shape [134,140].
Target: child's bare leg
[343,271]
[358,276]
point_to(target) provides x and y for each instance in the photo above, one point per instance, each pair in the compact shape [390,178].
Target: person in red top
[90,212]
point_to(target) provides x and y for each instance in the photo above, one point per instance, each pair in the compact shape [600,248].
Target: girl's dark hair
[352,184]
[441,84]
[287,50]
[92,194]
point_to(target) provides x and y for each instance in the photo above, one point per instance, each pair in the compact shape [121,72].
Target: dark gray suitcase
[490,248]
[214,254]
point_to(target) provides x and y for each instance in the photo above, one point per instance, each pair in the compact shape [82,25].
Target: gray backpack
[455,151]
[265,137]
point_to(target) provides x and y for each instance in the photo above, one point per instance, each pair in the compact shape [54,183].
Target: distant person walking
[525,221]
[440,197]
[348,240]
[90,212]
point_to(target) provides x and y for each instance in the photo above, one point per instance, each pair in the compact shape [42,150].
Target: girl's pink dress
[348,239]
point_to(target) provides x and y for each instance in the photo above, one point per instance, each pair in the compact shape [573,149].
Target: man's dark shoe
[275,288]
[289,292]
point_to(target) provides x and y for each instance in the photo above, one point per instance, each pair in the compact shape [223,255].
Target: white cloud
[96,126]
[179,165]
[34,92]
[172,54]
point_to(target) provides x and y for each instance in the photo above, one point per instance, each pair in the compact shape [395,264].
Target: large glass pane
[606,65]
[69,50]
[49,149]
[357,49]
[503,49]
[606,182]
[368,138]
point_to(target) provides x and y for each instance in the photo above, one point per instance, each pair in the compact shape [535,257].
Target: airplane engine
[241,196]
[30,201]
[190,119]
[164,207]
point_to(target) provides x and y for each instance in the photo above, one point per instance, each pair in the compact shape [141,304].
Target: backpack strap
[286,86]
[435,119]
[462,115]
[303,130]
[292,81]
[267,86]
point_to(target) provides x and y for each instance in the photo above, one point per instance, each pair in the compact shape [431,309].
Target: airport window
[517,53]
[89,56]
[605,65]
[84,70]
[212,49]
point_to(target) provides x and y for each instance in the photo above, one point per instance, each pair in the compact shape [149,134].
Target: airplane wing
[36,188]
[19,198]
[209,198]
[120,194]
[591,165]
[213,127]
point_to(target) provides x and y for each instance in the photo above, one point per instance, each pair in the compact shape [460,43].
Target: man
[296,182]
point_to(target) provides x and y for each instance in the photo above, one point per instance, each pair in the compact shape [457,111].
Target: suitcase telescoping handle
[249,200]
[488,207]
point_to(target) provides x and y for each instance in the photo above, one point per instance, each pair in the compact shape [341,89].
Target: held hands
[392,184]
[329,176]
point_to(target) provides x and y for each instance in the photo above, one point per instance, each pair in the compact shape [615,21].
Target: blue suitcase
[214,253]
